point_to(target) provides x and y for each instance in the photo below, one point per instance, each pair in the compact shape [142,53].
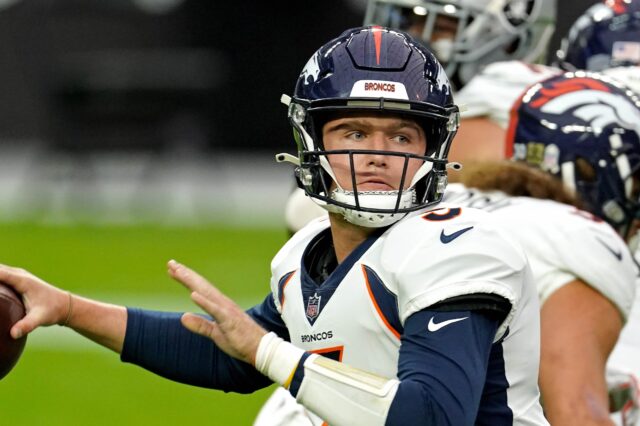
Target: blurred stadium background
[132,132]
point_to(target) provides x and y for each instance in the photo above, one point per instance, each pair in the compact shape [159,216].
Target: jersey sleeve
[441,383]
[461,256]
[157,342]
[492,92]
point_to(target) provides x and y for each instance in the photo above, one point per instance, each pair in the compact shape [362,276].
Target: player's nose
[377,143]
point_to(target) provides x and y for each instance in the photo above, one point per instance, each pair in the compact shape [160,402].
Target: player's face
[374,172]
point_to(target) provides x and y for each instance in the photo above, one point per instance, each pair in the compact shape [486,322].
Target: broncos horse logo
[591,101]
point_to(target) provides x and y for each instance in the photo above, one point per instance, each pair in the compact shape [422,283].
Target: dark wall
[95,73]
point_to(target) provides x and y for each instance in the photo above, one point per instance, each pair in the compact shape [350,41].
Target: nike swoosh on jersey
[446,239]
[617,254]
[435,326]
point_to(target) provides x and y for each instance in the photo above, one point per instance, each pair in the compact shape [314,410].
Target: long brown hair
[514,178]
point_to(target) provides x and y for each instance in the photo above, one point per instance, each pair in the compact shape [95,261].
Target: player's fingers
[12,276]
[213,307]
[25,326]
[19,329]
[197,324]
[191,279]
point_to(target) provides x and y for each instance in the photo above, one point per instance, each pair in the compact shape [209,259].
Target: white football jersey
[561,242]
[493,91]
[357,315]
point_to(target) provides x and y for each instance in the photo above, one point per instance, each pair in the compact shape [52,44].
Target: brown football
[11,310]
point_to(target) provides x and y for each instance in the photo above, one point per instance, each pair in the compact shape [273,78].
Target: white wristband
[277,359]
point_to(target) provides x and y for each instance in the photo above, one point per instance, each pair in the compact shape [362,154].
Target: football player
[393,310]
[584,130]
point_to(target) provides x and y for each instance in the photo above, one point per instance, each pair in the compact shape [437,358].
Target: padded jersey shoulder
[448,252]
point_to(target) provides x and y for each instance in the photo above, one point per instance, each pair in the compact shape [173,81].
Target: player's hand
[44,303]
[233,330]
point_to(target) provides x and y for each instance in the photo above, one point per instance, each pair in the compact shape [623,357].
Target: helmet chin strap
[371,199]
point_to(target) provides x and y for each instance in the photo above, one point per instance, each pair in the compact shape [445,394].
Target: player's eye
[402,139]
[357,136]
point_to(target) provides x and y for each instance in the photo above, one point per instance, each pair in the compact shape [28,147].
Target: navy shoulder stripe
[385,302]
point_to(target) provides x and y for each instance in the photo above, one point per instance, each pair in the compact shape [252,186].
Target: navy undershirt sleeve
[442,372]
[158,342]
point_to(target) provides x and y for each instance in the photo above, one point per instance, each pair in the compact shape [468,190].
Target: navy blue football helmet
[372,69]
[607,35]
[583,128]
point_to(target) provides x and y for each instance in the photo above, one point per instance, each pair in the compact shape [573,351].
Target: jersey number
[439,215]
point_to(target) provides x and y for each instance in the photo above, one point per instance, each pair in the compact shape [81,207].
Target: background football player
[608,31]
[584,131]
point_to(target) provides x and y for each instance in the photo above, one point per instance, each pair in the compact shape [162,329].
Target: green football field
[63,380]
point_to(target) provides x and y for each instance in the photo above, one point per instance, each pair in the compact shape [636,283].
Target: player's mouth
[375,184]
